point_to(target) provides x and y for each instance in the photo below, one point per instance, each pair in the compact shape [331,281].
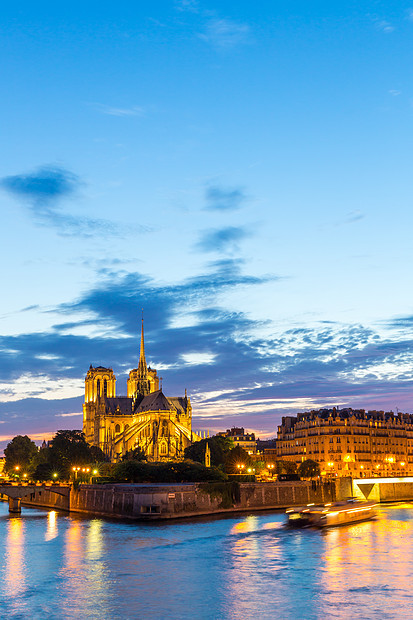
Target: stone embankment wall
[47,499]
[384,491]
[393,492]
[168,501]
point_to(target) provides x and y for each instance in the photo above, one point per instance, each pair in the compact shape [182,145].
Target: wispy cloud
[45,189]
[353,216]
[225,33]
[188,6]
[222,239]
[122,112]
[383,25]
[224,199]
[222,356]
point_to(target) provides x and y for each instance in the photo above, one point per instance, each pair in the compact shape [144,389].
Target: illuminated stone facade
[240,438]
[145,418]
[349,441]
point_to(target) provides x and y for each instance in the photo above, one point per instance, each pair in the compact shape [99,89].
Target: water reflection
[368,566]
[239,568]
[51,531]
[14,574]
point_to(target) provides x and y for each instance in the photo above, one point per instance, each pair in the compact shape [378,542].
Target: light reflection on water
[59,566]
[14,573]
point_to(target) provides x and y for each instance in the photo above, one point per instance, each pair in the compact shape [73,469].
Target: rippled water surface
[60,566]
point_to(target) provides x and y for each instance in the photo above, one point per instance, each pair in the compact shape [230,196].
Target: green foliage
[259,466]
[186,471]
[219,447]
[19,453]
[284,467]
[137,454]
[43,471]
[234,457]
[309,469]
[105,469]
[68,448]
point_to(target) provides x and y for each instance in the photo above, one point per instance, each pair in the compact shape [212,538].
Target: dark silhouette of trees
[67,449]
[284,467]
[309,469]
[219,447]
[186,471]
[19,453]
[237,456]
[137,454]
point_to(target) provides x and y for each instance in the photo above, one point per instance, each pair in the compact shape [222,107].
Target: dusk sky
[241,171]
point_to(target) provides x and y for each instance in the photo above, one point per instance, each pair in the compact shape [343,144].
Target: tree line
[68,449]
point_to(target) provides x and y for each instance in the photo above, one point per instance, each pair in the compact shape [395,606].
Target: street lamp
[75,470]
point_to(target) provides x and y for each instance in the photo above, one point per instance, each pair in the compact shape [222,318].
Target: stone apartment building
[349,441]
[240,438]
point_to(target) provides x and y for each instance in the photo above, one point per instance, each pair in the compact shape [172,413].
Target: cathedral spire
[143,386]
[142,367]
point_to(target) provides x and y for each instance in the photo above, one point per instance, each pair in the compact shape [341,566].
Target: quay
[171,501]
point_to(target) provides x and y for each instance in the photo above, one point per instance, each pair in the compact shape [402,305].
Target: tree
[309,469]
[19,453]
[186,471]
[218,445]
[137,454]
[67,449]
[234,457]
[285,467]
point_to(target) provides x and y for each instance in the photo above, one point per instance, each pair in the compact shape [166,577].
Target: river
[61,566]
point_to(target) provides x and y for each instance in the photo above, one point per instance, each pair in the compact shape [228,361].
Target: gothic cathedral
[160,426]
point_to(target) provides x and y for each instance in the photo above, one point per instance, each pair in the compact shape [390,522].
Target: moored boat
[333,514]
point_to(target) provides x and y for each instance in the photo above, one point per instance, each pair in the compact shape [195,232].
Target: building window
[117,428]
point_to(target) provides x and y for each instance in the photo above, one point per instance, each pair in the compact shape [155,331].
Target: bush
[186,471]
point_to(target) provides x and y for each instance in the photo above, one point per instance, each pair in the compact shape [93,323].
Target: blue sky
[241,171]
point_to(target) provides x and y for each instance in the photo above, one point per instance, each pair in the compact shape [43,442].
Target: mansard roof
[155,401]
[119,405]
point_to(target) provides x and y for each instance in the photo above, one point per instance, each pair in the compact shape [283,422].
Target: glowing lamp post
[75,470]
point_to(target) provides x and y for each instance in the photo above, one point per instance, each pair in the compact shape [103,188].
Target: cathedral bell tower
[100,383]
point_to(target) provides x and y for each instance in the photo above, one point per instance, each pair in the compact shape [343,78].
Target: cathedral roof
[155,401]
[119,405]
[180,403]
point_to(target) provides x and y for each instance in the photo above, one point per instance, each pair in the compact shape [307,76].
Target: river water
[246,566]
